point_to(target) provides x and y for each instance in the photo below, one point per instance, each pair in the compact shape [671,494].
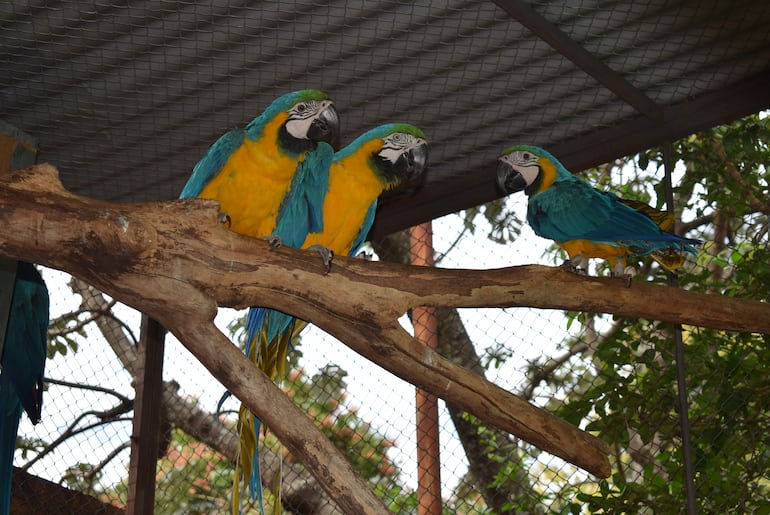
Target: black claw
[569,266]
[326,255]
[274,241]
[224,218]
[619,272]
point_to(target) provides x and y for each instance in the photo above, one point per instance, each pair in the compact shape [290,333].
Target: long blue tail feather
[255,481]
[269,335]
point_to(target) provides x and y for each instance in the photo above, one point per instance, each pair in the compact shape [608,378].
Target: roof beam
[569,48]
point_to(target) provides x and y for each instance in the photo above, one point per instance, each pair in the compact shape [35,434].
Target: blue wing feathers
[572,210]
[211,164]
[365,227]
[301,210]
[255,319]
[301,213]
[26,338]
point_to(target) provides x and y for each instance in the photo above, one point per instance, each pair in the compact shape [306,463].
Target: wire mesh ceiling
[125,97]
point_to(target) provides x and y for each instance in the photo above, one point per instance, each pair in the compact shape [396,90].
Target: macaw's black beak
[326,127]
[415,161]
[508,179]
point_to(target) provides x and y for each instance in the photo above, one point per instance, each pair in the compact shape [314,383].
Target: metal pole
[681,381]
[426,330]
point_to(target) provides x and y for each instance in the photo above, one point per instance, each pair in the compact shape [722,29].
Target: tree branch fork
[175,262]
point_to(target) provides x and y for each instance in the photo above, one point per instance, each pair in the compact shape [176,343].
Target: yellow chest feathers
[253,182]
[353,187]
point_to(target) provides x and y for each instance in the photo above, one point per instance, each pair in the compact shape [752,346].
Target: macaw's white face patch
[302,116]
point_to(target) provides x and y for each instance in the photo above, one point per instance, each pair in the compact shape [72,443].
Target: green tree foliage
[322,397]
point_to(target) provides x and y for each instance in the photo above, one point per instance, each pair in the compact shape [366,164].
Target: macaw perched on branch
[378,160]
[253,172]
[249,170]
[586,222]
[23,360]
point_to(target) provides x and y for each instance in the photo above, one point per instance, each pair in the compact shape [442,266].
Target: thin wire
[681,381]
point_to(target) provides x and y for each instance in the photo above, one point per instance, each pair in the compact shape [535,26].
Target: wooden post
[146,432]
[426,330]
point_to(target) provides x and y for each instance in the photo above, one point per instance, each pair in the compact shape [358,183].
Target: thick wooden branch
[113,248]
[173,261]
[300,493]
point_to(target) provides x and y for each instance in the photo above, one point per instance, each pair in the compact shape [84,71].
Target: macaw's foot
[621,272]
[274,241]
[571,265]
[225,219]
[326,255]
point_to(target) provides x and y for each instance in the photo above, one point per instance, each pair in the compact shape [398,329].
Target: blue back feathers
[571,209]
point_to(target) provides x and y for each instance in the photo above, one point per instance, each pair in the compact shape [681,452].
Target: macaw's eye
[526,156]
[301,107]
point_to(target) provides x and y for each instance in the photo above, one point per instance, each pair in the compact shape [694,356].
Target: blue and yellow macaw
[586,222]
[378,160]
[253,172]
[249,171]
[23,360]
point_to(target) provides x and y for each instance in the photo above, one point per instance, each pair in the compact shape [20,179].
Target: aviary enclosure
[556,392]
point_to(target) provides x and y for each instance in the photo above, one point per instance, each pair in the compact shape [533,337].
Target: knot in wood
[118,237]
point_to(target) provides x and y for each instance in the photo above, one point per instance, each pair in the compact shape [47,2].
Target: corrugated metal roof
[125,97]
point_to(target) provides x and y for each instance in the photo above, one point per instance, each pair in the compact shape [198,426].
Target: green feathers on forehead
[287,101]
[308,94]
[390,128]
[539,152]
[381,132]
